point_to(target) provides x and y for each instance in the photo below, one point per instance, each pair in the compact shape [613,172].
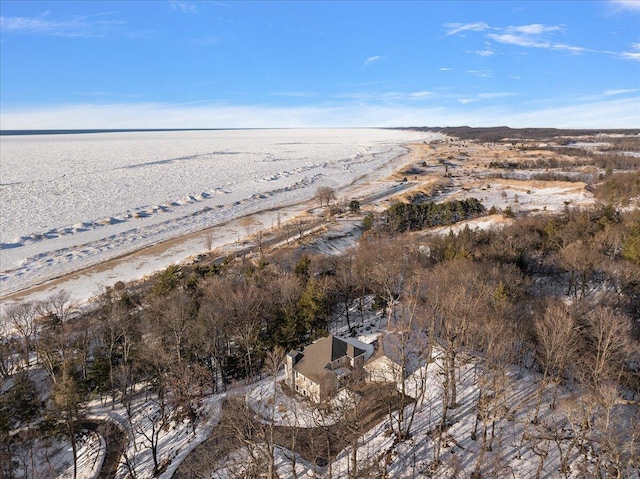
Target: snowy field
[74,201]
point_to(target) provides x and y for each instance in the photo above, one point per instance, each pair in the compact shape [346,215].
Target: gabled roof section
[338,348]
[341,348]
[319,354]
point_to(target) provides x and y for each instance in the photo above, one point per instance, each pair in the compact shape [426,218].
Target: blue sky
[217,64]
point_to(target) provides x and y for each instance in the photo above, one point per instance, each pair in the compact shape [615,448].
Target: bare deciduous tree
[580,262]
[390,269]
[242,304]
[67,398]
[556,346]
[56,309]
[325,195]
[171,317]
[22,318]
[610,335]
[273,363]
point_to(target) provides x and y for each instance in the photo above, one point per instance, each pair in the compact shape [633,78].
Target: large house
[324,367]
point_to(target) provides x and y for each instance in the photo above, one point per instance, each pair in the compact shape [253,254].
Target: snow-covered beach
[74,201]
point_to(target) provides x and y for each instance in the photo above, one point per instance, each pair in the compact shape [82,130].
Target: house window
[297,387]
[296,374]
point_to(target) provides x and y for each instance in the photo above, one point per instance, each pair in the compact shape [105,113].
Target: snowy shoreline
[94,198]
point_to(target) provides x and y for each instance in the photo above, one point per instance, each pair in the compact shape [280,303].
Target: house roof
[319,354]
[366,347]
[399,349]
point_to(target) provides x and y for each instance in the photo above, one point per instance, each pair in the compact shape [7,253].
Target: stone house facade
[324,367]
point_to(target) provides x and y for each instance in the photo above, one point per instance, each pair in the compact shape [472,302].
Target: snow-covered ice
[73,201]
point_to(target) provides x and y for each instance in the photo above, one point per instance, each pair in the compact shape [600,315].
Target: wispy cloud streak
[485,96]
[487,51]
[372,60]
[184,7]
[634,54]
[620,92]
[480,73]
[609,113]
[625,5]
[79,26]
[535,35]
[457,28]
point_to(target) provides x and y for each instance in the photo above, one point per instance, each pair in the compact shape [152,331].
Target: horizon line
[70,131]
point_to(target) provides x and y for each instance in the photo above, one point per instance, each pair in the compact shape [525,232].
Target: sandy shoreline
[139,259]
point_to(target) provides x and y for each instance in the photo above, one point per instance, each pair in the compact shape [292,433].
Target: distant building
[324,367]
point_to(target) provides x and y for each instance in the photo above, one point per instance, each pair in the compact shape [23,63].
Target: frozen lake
[72,201]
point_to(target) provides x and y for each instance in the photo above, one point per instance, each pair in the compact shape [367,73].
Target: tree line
[402,217]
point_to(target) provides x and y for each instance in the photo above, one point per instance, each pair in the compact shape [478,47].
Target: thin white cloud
[480,73]
[534,41]
[93,93]
[519,40]
[485,96]
[78,26]
[534,29]
[371,60]
[572,48]
[410,98]
[184,7]
[457,28]
[296,94]
[620,92]
[498,94]
[387,96]
[361,96]
[634,54]
[421,94]
[533,35]
[625,5]
[538,35]
[619,113]
[609,113]
[445,69]
[487,52]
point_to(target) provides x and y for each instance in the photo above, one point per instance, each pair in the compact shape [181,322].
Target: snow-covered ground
[288,410]
[520,449]
[175,440]
[54,458]
[73,201]
[524,195]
